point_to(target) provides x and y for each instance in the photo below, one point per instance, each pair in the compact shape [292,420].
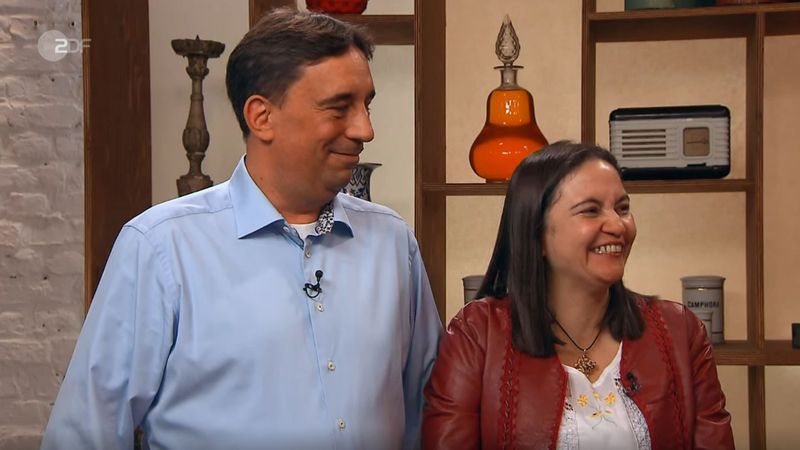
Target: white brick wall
[41,214]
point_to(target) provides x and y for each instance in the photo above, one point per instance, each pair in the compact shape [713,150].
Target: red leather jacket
[485,394]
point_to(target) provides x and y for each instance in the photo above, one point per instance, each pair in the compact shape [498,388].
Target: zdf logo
[53,45]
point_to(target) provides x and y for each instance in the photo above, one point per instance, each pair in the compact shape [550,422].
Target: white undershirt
[304,229]
[599,415]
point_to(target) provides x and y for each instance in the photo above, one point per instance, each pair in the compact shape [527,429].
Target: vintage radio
[671,142]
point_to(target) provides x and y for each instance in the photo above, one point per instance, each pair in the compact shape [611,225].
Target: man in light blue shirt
[268,311]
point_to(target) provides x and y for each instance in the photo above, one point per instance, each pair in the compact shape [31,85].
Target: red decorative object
[337,6]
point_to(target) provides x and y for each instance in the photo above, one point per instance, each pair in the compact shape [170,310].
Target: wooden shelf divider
[744,353]
[385,29]
[633,187]
[687,186]
[737,353]
[458,189]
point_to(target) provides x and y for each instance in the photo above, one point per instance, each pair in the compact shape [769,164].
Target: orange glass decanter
[510,133]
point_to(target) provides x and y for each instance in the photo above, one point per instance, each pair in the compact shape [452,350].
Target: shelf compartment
[692,23]
[385,29]
[633,187]
[713,11]
[627,27]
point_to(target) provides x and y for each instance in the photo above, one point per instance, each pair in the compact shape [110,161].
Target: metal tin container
[471,285]
[703,294]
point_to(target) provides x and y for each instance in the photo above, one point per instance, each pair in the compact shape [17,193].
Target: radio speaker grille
[650,143]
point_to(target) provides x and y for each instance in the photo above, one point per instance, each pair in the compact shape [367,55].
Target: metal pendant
[585,365]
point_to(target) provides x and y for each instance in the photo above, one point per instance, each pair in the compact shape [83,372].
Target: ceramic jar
[704,296]
[359,181]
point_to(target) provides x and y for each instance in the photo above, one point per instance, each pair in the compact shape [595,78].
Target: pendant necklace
[585,365]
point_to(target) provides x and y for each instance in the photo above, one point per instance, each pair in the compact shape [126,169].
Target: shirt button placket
[307,253]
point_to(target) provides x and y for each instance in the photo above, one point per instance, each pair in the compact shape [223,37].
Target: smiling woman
[589,229]
[629,371]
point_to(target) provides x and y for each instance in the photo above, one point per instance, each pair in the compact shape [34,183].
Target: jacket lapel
[647,376]
[541,402]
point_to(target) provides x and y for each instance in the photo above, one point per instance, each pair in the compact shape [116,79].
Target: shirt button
[331,366]
[320,307]
[340,423]
[308,253]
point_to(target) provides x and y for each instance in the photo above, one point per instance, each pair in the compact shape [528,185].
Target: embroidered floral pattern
[597,408]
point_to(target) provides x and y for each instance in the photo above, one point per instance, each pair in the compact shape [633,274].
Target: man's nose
[360,126]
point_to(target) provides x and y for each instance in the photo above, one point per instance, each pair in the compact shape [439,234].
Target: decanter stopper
[507,45]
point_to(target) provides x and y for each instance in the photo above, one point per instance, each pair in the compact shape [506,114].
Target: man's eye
[624,209]
[590,211]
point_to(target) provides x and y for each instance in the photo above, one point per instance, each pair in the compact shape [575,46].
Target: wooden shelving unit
[753,23]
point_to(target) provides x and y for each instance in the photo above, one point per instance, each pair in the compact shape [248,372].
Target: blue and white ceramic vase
[359,181]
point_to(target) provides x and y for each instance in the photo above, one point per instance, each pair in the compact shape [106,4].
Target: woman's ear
[257,112]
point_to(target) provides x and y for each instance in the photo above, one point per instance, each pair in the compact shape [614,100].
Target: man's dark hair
[518,268]
[271,56]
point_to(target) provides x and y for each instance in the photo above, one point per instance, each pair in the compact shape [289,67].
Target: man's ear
[257,113]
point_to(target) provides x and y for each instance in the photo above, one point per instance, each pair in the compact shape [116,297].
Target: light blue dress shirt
[200,332]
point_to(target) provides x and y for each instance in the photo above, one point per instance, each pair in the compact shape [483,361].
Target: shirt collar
[340,220]
[253,211]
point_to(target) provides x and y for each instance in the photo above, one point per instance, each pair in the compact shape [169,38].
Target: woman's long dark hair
[518,269]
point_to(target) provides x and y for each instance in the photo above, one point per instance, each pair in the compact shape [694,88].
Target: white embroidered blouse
[599,415]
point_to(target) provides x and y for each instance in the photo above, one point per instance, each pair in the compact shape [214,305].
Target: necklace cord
[584,350]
